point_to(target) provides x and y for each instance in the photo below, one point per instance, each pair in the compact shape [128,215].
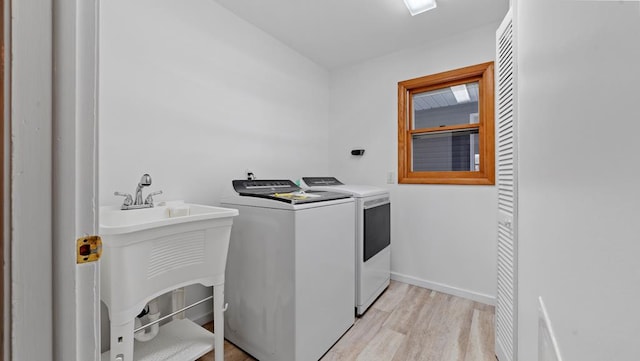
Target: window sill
[473,178]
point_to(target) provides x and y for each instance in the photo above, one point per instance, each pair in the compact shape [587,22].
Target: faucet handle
[149,199]
[128,200]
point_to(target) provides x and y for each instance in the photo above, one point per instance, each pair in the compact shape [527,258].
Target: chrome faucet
[145,181]
[137,203]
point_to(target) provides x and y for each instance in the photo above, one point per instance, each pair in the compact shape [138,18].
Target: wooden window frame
[483,74]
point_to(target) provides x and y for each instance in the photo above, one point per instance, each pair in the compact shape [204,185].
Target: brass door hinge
[88,249]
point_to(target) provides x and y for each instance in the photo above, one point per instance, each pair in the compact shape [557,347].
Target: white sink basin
[113,220]
[148,252]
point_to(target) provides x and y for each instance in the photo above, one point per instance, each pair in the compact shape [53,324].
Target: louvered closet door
[506,298]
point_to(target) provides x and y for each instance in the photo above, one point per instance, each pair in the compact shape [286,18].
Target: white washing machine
[289,270]
[372,237]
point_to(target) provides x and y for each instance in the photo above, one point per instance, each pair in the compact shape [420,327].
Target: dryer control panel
[321,181]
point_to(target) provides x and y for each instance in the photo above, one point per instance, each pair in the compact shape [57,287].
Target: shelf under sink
[178,340]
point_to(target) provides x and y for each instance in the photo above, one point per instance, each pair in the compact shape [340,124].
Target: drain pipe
[177,302]
[150,332]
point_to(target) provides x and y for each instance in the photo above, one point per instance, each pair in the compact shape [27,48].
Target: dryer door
[377,227]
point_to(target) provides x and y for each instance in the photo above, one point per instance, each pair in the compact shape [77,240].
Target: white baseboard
[439,287]
[201,319]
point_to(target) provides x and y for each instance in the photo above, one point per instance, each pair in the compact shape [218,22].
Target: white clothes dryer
[289,270]
[372,236]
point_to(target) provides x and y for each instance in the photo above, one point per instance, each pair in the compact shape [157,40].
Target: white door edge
[76,303]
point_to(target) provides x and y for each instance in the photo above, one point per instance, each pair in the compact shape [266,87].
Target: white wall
[194,96]
[578,187]
[443,236]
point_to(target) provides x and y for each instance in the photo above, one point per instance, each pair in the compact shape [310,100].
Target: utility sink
[115,221]
[148,252]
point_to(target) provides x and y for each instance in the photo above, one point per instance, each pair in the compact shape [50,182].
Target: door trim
[30,214]
[2,181]
[76,291]
[53,198]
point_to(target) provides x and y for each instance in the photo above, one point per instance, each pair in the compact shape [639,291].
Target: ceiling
[336,33]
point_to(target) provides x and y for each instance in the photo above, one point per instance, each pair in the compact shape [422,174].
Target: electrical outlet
[391,177]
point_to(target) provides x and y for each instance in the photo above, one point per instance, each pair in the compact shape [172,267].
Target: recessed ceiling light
[419,6]
[461,93]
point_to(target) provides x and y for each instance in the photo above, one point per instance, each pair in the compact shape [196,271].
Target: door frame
[3,174]
[76,291]
[54,178]
[30,210]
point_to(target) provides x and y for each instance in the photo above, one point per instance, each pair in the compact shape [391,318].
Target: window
[445,127]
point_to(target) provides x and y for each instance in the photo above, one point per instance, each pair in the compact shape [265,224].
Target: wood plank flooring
[409,323]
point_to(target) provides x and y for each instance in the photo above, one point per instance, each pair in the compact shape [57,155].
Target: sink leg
[122,342]
[218,321]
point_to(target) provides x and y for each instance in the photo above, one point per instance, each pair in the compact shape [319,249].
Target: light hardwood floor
[409,323]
